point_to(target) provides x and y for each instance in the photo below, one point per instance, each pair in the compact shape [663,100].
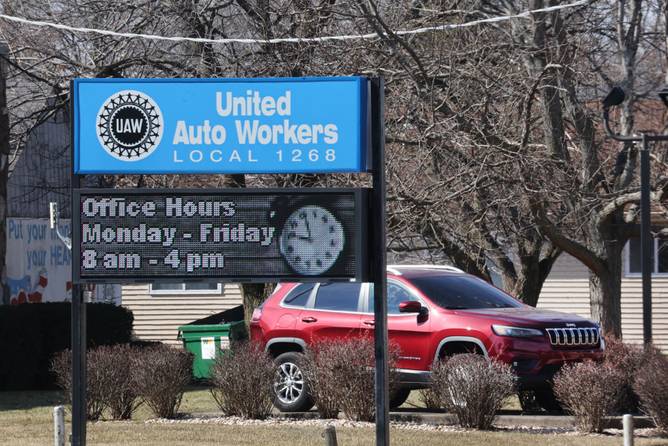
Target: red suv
[433,312]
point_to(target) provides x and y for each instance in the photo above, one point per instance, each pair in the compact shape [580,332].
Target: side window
[338,296]
[298,296]
[395,295]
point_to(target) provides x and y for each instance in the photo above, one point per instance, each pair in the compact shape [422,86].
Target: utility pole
[614,98]
[4,168]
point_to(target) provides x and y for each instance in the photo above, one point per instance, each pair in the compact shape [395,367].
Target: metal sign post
[78,366]
[379,267]
[78,324]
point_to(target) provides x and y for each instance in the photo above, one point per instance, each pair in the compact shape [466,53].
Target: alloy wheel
[289,384]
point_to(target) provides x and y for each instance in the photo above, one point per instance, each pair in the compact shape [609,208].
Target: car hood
[524,316]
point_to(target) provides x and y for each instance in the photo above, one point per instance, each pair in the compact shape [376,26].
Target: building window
[659,256]
[185,288]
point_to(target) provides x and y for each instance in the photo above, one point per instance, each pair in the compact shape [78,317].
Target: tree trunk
[528,285]
[253,295]
[605,297]
[532,271]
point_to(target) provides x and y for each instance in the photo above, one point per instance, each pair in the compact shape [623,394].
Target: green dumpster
[206,341]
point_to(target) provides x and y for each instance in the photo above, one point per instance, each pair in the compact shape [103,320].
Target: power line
[443,27]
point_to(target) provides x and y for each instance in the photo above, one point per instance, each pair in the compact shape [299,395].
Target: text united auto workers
[249,131]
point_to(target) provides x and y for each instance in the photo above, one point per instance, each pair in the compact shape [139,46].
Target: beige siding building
[567,289]
[158,312]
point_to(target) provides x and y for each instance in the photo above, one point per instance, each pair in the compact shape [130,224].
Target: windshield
[463,293]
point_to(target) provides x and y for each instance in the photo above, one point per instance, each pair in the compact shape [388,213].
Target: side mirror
[410,306]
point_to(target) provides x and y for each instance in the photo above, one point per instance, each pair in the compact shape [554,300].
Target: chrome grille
[581,336]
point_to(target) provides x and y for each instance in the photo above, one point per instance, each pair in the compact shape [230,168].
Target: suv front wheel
[291,393]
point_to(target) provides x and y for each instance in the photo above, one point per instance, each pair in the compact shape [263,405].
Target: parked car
[433,312]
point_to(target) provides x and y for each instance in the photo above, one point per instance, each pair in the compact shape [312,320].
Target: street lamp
[614,98]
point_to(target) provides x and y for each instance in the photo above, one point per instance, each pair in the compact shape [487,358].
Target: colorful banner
[39,265]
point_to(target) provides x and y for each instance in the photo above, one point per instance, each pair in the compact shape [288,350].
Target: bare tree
[495,155]
[595,214]
[510,166]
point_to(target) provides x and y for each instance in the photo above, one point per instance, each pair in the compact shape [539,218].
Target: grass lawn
[25,419]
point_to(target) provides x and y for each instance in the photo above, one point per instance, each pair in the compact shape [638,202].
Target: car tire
[546,399]
[398,397]
[290,390]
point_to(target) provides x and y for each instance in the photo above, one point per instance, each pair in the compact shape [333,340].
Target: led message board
[172,126]
[223,235]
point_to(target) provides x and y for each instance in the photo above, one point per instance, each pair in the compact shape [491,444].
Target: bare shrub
[61,366]
[97,377]
[115,372]
[627,360]
[473,388]
[430,399]
[242,380]
[340,373]
[651,385]
[108,377]
[161,375]
[320,366]
[589,391]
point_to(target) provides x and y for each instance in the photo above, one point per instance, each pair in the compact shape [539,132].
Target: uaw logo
[129,125]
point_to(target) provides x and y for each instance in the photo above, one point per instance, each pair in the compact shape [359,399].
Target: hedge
[30,334]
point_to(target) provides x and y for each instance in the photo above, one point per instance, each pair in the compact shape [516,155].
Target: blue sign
[177,126]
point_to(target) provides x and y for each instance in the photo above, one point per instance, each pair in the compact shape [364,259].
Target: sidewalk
[507,418]
[512,419]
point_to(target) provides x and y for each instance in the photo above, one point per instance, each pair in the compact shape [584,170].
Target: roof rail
[395,269]
[392,270]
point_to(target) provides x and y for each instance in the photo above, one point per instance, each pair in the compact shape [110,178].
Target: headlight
[516,332]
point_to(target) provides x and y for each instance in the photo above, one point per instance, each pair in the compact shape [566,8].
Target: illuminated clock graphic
[312,240]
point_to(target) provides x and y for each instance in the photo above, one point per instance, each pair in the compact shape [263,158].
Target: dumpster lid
[213,328]
[224,317]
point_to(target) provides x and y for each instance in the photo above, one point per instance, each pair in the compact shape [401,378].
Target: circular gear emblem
[129,125]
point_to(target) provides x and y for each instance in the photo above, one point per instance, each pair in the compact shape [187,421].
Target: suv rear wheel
[291,392]
[398,397]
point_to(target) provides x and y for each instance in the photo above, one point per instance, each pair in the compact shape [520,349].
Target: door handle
[372,323]
[309,319]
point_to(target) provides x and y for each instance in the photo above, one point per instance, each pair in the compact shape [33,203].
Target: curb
[528,420]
